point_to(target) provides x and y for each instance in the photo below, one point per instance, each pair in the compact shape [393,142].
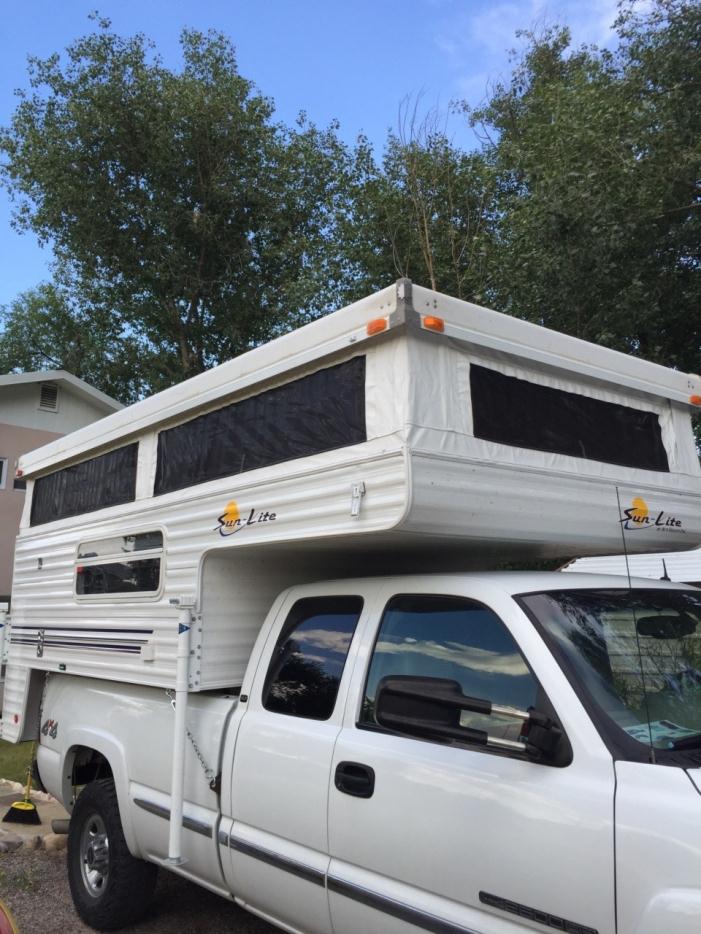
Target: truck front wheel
[110,888]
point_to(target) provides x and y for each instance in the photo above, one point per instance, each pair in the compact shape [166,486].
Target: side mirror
[430,708]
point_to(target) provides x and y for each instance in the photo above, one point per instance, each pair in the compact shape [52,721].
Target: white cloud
[475,38]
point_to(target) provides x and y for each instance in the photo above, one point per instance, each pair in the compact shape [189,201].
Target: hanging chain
[208,773]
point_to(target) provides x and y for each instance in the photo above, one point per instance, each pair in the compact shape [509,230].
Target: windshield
[638,654]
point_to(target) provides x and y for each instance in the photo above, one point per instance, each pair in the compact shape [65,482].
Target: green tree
[424,212]
[45,329]
[172,199]
[598,162]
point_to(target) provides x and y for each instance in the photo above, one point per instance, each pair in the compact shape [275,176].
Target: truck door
[278,842]
[444,836]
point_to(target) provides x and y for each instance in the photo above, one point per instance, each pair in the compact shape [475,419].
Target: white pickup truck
[451,753]
[445,752]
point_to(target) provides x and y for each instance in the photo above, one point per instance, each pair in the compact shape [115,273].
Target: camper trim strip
[73,637]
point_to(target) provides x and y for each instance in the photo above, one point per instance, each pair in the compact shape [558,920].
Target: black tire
[110,888]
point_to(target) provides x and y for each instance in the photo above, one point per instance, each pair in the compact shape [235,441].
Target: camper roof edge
[483,327]
[341,330]
[401,303]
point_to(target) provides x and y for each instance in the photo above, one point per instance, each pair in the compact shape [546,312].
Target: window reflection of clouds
[451,637]
[466,656]
[330,640]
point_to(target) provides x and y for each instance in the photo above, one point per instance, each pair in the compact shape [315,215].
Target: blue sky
[354,60]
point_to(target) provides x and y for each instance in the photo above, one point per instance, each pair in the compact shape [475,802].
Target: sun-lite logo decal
[231,521]
[638,517]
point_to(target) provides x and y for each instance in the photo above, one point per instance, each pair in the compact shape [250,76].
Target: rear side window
[434,636]
[126,564]
[310,655]
[525,415]
[108,480]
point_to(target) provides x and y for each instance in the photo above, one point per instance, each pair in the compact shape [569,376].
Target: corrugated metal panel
[14,702]
[683,566]
[123,638]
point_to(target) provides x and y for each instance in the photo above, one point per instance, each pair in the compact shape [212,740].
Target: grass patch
[14,760]
[17,879]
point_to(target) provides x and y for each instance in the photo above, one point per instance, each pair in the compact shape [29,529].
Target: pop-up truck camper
[257,630]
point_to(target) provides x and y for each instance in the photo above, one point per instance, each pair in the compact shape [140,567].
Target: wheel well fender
[90,755]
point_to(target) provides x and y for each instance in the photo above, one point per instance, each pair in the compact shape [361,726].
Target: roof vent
[48,397]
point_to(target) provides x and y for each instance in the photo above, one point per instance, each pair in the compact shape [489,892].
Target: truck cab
[455,752]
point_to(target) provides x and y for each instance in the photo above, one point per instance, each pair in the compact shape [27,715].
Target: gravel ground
[34,885]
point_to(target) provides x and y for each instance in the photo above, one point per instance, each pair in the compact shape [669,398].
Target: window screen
[317,413]
[434,636]
[103,481]
[310,655]
[525,415]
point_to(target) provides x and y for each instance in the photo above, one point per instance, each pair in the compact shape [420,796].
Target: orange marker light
[433,323]
[695,400]
[376,326]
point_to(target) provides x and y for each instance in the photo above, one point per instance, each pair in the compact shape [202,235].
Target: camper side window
[107,480]
[126,564]
[310,655]
[523,414]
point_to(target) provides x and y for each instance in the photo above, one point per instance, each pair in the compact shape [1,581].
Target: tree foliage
[188,225]
[425,211]
[172,199]
[45,328]
[598,161]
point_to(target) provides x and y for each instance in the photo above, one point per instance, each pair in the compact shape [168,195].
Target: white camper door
[452,838]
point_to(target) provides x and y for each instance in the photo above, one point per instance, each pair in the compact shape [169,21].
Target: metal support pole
[175,857]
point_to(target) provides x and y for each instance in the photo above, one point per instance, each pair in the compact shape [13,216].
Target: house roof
[78,386]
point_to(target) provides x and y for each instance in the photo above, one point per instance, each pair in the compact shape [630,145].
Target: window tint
[317,413]
[108,480]
[119,577]
[102,567]
[310,655]
[452,637]
[525,415]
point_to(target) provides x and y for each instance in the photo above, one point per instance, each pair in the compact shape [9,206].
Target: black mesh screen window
[522,414]
[316,413]
[108,480]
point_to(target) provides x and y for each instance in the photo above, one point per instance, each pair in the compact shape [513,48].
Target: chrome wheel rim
[94,855]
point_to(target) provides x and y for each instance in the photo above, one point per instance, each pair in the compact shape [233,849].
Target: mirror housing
[430,708]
